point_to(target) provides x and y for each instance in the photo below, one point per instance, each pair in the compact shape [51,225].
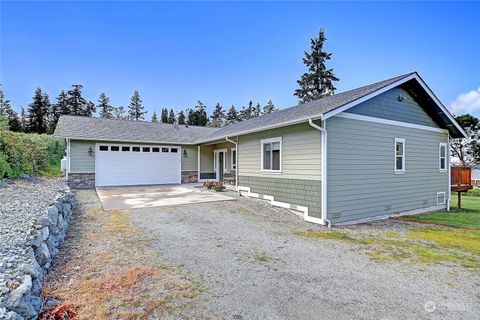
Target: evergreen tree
[269,107]
[154,117]
[135,109]
[119,113]
[257,110]
[38,112]
[164,115]
[232,115]
[106,110]
[318,81]
[77,105]
[181,117]
[62,106]
[191,120]
[23,119]
[218,116]
[3,122]
[171,117]
[201,114]
[8,112]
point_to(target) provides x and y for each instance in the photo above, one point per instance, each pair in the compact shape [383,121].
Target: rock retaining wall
[47,233]
[81,180]
[189,176]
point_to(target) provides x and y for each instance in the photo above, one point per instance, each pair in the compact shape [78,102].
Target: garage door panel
[137,168]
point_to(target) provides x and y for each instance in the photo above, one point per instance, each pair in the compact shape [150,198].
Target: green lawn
[467,217]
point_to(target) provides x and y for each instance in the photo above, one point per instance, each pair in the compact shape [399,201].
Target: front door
[221,159]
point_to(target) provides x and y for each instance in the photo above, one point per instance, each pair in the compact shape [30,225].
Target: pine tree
[269,107]
[201,114]
[218,116]
[76,103]
[318,81]
[119,113]
[62,106]
[181,117]
[38,112]
[232,115]
[164,116]
[3,122]
[257,110]
[8,112]
[191,119]
[106,110]
[154,117]
[23,119]
[135,109]
[171,117]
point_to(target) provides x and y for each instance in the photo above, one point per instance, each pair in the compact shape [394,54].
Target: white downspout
[324,168]
[236,161]
[449,173]
[68,157]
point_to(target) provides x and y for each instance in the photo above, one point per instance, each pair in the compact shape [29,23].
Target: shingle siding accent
[361,178]
[387,106]
[298,192]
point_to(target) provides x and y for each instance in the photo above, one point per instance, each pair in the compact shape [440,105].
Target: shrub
[217,186]
[22,153]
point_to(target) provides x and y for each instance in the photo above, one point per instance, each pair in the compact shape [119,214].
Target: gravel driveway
[245,255]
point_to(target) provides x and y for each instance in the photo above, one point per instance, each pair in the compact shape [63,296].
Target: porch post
[198,163]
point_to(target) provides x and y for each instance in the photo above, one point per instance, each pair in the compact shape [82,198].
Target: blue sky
[230,52]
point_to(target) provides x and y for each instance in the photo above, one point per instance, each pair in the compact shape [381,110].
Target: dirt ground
[244,259]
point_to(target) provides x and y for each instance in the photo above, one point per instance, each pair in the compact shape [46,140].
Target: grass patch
[466,217]
[465,240]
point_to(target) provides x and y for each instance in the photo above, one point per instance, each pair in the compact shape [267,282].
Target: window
[399,155]
[125,148]
[441,198]
[114,148]
[146,149]
[164,149]
[234,159]
[136,149]
[442,154]
[103,148]
[272,155]
[174,150]
[155,149]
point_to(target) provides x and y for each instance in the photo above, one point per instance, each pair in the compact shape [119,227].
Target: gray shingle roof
[76,127]
[300,112]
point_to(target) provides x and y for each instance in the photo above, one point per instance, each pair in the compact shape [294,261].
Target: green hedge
[22,153]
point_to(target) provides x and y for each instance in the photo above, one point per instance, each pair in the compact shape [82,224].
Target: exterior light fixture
[90,152]
[400,98]
[184,153]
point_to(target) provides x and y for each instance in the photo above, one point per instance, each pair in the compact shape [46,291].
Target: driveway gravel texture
[245,259]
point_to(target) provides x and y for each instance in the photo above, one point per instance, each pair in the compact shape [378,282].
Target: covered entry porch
[217,161]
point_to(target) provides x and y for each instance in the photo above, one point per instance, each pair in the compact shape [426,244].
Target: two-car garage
[130,164]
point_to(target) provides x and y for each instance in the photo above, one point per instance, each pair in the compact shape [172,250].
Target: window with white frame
[442,154]
[272,155]
[399,155]
[234,159]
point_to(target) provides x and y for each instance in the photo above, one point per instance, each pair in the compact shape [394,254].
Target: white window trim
[232,157]
[444,198]
[397,171]
[442,144]
[215,155]
[271,140]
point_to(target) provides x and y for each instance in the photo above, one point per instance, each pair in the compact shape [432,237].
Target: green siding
[301,153]
[305,193]
[387,106]
[361,179]
[80,160]
[189,162]
[206,159]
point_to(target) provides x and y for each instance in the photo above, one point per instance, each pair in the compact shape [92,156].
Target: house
[367,153]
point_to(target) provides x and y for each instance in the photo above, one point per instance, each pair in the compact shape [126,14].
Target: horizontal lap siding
[206,159]
[387,106]
[189,162]
[361,178]
[300,180]
[301,153]
[80,160]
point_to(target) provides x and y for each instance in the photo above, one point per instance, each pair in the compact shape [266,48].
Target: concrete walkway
[136,197]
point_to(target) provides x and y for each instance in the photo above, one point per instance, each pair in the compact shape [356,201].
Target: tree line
[41,115]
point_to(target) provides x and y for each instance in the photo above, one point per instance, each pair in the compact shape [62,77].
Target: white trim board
[359,117]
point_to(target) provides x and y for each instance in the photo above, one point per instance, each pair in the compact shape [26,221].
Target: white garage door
[122,165]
